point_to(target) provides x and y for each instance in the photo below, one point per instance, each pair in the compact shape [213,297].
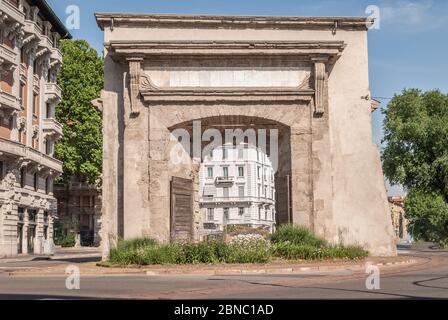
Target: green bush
[291,251]
[209,252]
[289,233]
[136,243]
[66,241]
[149,252]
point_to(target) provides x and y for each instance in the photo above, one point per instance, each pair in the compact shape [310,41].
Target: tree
[81,80]
[416,156]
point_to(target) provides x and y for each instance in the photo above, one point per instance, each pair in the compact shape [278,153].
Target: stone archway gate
[309,75]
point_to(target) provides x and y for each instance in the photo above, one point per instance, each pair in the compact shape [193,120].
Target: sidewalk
[93,269]
[61,253]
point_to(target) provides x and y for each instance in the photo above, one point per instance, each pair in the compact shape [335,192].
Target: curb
[222,272]
[269,271]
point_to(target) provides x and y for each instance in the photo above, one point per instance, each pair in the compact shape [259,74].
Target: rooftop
[49,14]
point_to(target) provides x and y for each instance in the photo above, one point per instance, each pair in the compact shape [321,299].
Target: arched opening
[242,166]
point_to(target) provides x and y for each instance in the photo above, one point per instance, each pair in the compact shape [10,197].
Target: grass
[307,252]
[294,234]
[209,252]
[289,242]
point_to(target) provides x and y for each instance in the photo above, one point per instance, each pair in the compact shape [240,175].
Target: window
[48,145]
[240,171]
[35,103]
[49,113]
[22,177]
[22,94]
[226,214]
[47,185]
[21,213]
[265,191]
[32,215]
[225,153]
[210,172]
[273,215]
[241,191]
[265,174]
[225,192]
[259,190]
[259,213]
[225,171]
[210,214]
[211,154]
[35,181]
[241,211]
[266,214]
[2,164]
[258,172]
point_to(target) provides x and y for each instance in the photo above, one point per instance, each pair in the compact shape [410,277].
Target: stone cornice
[328,50]
[112,20]
[227,95]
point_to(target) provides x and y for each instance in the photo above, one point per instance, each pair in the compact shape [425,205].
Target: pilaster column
[38,249]
[25,232]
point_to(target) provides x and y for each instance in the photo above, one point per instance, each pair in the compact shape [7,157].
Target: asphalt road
[429,280]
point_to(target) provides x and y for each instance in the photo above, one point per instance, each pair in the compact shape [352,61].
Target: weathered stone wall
[336,178]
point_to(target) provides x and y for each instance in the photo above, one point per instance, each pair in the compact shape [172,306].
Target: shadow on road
[19,296]
[78,260]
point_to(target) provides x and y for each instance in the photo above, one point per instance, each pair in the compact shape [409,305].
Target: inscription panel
[227,75]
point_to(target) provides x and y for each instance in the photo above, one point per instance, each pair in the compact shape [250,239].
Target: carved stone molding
[135,71]
[320,78]
[98,104]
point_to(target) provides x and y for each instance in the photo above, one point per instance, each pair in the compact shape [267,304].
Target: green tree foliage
[416,156]
[81,80]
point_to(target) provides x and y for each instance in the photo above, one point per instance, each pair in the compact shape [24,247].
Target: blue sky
[408,51]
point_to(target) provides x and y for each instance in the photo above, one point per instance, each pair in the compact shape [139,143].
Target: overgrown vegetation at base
[132,252]
[307,252]
[293,234]
[67,240]
[288,242]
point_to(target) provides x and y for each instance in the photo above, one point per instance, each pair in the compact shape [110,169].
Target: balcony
[23,73]
[9,103]
[22,152]
[44,46]
[224,180]
[32,31]
[52,127]
[7,56]
[53,93]
[237,200]
[56,56]
[11,12]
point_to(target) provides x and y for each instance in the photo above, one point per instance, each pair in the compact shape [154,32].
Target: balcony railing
[8,102]
[12,12]
[52,92]
[7,55]
[56,55]
[19,150]
[246,199]
[52,127]
[224,180]
[46,43]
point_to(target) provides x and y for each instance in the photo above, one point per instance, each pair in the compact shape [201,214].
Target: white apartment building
[237,186]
